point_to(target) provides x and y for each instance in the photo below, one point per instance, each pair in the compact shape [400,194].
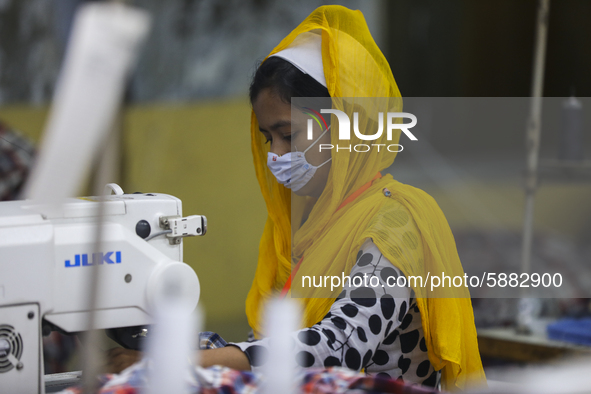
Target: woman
[346,218]
[359,221]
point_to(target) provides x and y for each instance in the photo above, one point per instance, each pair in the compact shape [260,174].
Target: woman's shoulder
[405,195]
[394,223]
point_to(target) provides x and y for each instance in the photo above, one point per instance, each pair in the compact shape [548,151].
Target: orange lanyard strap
[359,191]
[349,199]
[287,285]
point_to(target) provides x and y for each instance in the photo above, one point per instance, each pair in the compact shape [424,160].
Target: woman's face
[284,131]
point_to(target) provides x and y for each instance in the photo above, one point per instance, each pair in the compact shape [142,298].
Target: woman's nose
[280,147]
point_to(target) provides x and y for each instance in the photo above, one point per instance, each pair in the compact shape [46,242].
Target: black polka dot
[431,381]
[403,364]
[328,315]
[257,355]
[359,255]
[375,324]
[398,218]
[309,337]
[423,369]
[391,338]
[342,295]
[402,311]
[388,327]
[357,280]
[410,240]
[366,358]
[305,359]
[381,357]
[395,251]
[332,361]
[364,296]
[423,345]
[330,335]
[350,310]
[366,259]
[388,305]
[389,272]
[353,359]
[409,340]
[339,322]
[406,321]
[383,375]
[361,334]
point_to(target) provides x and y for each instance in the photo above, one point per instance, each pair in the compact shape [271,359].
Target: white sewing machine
[47,259]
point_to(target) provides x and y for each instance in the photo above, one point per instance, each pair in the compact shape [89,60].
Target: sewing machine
[48,258]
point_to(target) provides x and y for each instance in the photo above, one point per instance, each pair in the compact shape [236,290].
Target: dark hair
[286,80]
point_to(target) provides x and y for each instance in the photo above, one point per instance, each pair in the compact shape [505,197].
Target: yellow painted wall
[28,119]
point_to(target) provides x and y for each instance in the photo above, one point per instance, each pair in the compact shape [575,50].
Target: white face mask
[292,169]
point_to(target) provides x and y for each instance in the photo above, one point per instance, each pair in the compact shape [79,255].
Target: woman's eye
[287,137]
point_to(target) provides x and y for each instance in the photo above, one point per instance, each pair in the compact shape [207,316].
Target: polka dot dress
[376,328]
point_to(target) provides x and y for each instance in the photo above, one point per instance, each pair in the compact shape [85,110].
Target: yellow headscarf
[399,224]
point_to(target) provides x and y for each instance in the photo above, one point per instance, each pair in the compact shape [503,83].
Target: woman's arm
[119,358]
[358,322]
[229,356]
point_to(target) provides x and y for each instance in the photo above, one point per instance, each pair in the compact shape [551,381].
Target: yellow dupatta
[408,227]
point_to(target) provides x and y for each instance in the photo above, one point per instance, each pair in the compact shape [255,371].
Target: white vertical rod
[527,305]
[533,131]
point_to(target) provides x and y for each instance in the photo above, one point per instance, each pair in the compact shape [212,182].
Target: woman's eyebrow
[280,124]
[277,125]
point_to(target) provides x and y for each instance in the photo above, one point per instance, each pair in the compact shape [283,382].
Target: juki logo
[97,258]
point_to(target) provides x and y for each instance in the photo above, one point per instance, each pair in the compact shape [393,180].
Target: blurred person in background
[16,159]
